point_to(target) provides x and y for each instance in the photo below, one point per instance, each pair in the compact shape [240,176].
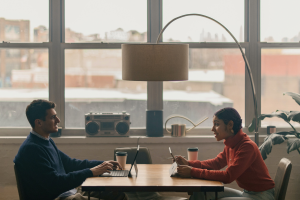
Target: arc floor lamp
[167,62]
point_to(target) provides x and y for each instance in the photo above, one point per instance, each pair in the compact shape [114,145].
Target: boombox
[107,124]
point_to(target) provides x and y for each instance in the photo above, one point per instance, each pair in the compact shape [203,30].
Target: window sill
[122,140]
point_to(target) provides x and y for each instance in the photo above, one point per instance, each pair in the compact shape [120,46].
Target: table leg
[205,195]
[89,195]
[216,195]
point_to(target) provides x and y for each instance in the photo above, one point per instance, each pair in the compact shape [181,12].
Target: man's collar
[35,133]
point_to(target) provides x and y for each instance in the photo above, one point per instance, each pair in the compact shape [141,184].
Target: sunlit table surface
[151,177]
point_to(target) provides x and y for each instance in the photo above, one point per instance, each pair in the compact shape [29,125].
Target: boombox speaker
[107,124]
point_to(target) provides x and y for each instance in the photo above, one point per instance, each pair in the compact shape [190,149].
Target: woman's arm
[216,163]
[244,157]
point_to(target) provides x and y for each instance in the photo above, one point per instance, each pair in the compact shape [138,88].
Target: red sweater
[244,161]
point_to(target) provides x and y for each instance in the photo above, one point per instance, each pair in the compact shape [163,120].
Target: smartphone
[173,156]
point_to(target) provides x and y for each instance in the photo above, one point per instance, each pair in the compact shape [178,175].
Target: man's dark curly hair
[227,114]
[37,109]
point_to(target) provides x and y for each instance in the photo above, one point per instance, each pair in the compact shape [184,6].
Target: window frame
[57,46]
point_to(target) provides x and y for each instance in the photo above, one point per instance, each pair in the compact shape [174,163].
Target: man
[46,172]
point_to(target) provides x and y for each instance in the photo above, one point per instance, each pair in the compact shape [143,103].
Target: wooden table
[154,178]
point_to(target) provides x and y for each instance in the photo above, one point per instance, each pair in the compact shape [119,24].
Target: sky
[278,18]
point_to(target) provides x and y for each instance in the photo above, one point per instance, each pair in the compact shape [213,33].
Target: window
[105,21]
[21,21]
[48,44]
[199,29]
[93,81]
[274,17]
[280,71]
[215,76]
[23,78]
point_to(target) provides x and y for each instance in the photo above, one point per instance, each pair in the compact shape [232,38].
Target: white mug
[192,153]
[121,158]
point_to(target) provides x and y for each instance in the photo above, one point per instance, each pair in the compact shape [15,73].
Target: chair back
[19,183]
[282,178]
[144,156]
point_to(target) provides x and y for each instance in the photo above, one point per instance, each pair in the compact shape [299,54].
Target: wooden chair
[281,180]
[19,183]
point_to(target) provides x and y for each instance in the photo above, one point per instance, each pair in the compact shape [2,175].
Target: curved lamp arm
[245,59]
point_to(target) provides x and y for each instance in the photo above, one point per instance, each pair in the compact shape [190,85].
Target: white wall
[102,149]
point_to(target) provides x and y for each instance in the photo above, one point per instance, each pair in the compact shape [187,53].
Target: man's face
[50,125]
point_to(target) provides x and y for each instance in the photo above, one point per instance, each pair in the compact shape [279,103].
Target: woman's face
[221,130]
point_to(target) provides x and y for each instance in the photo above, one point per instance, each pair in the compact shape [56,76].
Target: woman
[241,156]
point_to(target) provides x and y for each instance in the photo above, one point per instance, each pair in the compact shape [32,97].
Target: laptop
[124,173]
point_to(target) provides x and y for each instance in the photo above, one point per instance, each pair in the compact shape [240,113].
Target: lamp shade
[155,62]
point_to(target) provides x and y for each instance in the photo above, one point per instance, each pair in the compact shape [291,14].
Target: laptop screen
[134,160]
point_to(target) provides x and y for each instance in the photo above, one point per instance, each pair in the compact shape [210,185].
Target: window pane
[24,21]
[23,78]
[199,29]
[106,21]
[279,73]
[279,21]
[215,76]
[94,84]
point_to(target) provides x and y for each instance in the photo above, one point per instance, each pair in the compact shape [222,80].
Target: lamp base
[154,123]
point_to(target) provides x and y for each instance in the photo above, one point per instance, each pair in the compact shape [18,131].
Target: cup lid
[121,153]
[193,149]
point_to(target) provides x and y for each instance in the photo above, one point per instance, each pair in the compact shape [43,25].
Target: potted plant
[280,137]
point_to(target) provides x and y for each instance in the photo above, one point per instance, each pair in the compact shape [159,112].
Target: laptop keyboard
[117,173]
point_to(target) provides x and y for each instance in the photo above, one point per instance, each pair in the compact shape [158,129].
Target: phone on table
[173,156]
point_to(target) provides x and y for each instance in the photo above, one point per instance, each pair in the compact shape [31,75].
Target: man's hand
[102,168]
[181,160]
[184,171]
[115,164]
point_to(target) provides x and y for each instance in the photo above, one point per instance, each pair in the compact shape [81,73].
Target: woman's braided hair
[227,114]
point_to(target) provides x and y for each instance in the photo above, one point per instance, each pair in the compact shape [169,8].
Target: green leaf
[284,133]
[265,149]
[278,140]
[293,144]
[283,111]
[280,114]
[295,96]
[294,116]
[251,127]
[273,139]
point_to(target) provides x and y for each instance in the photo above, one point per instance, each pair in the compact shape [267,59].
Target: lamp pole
[244,57]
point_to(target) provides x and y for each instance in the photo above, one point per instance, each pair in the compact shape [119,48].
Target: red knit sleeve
[217,163]
[244,157]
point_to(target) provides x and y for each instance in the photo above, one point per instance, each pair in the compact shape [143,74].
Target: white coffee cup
[121,158]
[192,153]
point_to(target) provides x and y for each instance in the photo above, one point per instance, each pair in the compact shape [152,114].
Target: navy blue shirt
[46,172]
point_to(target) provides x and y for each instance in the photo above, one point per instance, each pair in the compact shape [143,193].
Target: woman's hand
[184,171]
[181,160]
[102,168]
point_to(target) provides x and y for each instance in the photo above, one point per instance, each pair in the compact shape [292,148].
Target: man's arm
[37,166]
[72,165]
